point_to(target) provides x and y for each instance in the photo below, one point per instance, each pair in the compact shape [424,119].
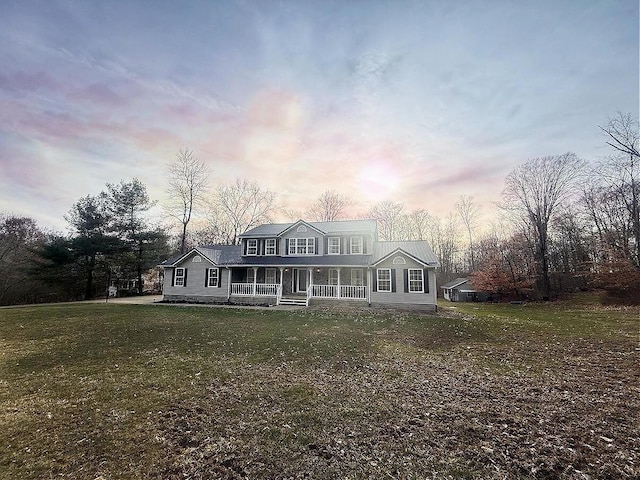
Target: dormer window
[302,246]
[252,246]
[355,245]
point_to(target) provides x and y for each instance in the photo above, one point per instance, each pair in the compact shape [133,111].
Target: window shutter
[286,246]
[185,277]
[277,246]
[374,281]
[326,245]
[345,245]
[425,276]
[173,277]
[206,277]
[405,276]
[219,278]
[261,243]
[315,245]
[244,247]
[393,279]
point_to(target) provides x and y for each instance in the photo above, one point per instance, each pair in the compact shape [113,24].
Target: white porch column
[228,283]
[310,280]
[255,279]
[339,294]
[281,277]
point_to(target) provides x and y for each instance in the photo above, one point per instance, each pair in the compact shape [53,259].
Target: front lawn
[477,391]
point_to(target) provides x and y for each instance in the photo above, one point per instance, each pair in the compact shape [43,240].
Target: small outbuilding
[462,290]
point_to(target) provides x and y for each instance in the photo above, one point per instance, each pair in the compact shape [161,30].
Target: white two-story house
[305,263]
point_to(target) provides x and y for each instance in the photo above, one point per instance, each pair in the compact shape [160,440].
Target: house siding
[195,287]
[399,298]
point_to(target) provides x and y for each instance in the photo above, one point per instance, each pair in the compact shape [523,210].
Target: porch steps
[298,302]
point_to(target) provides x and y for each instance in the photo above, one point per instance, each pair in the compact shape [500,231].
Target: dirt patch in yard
[530,409]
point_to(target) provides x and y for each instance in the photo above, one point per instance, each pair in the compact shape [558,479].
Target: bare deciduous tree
[329,207]
[417,225]
[621,172]
[469,213]
[443,238]
[188,183]
[532,194]
[240,206]
[389,216]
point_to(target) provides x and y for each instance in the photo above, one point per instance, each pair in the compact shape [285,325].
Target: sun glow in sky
[416,101]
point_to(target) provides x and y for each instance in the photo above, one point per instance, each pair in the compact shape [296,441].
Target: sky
[412,101]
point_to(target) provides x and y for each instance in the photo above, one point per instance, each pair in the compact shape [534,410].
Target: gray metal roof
[419,249]
[340,226]
[231,255]
[455,283]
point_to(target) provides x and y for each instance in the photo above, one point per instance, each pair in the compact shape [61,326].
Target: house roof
[216,254]
[419,250]
[340,226]
[231,255]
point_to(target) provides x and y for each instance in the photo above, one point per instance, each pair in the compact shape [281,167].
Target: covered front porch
[340,283]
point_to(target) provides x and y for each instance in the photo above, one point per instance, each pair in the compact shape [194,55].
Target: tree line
[561,224]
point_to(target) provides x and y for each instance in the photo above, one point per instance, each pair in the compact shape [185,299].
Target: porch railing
[355,292]
[255,289]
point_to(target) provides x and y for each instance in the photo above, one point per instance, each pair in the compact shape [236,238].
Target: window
[357,277]
[302,246]
[197,259]
[399,261]
[416,283]
[384,279]
[333,276]
[270,276]
[301,229]
[252,246]
[213,278]
[179,278]
[356,245]
[334,246]
[301,249]
[270,246]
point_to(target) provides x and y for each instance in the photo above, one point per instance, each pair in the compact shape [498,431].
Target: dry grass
[115,391]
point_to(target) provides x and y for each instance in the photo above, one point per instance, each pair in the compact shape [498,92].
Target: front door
[299,280]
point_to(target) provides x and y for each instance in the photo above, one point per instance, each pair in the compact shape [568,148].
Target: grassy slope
[158,392]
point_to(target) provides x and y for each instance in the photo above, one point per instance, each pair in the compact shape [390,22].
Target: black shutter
[244,247]
[173,277]
[426,280]
[219,278]
[405,276]
[277,246]
[393,280]
[374,281]
[206,277]
[286,247]
[326,245]
[315,245]
[185,277]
